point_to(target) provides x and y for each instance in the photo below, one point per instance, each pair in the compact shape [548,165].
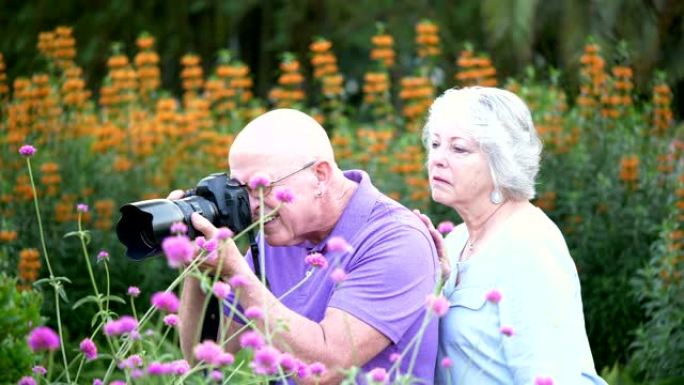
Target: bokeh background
[127,100]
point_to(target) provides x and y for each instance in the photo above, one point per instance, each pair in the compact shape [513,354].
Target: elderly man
[391,267]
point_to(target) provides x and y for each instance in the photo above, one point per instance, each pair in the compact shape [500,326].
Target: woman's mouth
[438,180]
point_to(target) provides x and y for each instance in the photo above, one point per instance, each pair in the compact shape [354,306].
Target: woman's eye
[458,149]
[434,144]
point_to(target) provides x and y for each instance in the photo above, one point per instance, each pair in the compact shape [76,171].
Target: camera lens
[143,225]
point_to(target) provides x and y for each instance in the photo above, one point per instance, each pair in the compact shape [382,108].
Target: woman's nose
[436,158]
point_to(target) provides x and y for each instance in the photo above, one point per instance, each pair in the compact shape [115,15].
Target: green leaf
[63,294]
[115,299]
[84,300]
[84,235]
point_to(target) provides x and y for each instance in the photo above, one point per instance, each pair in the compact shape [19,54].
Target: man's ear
[323,171]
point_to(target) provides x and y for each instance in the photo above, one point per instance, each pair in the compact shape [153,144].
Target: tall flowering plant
[141,347]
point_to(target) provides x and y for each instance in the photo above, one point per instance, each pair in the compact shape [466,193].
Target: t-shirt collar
[355,214]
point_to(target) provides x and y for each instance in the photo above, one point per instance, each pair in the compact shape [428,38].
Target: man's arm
[190,313]
[340,340]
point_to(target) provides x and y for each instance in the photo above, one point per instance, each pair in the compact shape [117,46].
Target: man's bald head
[283,134]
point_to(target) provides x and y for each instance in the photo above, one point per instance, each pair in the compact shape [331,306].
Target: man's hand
[175,195]
[228,258]
[444,264]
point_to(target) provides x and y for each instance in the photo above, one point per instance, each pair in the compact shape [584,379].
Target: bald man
[392,266]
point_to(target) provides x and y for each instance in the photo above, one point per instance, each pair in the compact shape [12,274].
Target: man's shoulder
[393,215]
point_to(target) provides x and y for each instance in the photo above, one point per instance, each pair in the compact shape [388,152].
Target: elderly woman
[515,312]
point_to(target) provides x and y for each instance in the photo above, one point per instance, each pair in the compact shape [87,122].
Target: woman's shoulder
[455,240]
[533,239]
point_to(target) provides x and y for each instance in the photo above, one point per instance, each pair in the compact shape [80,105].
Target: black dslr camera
[144,224]
[223,201]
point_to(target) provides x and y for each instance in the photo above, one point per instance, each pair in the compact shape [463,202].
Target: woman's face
[458,169]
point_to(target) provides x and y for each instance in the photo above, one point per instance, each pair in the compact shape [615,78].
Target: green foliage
[659,343]
[514,31]
[20,313]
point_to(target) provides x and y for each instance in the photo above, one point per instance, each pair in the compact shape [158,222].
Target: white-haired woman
[515,312]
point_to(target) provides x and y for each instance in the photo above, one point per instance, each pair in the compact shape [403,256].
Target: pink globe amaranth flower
[254,312]
[316,260]
[338,275]
[284,195]
[216,375]
[178,249]
[446,362]
[158,369]
[210,245]
[133,291]
[238,281]
[171,320]
[97,381]
[438,304]
[251,339]
[394,357]
[265,360]
[338,244]
[43,338]
[445,227]
[223,233]
[165,300]
[543,380]
[493,296]
[133,361]
[200,241]
[137,373]
[27,380]
[27,150]
[103,255]
[179,367]
[221,289]
[179,228]
[39,370]
[303,370]
[82,208]
[287,362]
[134,335]
[208,351]
[118,382]
[89,349]
[317,369]
[259,180]
[507,331]
[378,375]
[125,324]
[226,359]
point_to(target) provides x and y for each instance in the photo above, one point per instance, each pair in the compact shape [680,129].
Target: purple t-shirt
[390,272]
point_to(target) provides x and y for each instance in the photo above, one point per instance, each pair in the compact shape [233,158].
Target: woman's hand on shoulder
[444,264]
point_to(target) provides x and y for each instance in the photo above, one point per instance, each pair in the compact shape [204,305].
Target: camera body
[144,225]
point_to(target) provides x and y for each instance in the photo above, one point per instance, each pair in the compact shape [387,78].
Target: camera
[144,225]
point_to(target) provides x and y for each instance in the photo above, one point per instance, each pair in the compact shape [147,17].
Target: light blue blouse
[540,300]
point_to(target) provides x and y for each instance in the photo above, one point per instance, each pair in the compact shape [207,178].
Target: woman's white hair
[502,125]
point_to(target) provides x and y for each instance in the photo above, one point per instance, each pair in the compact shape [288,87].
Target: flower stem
[54,283]
[81,235]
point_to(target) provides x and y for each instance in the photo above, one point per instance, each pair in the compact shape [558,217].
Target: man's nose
[254,203]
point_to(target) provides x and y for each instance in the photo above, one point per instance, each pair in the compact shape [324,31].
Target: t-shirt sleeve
[541,303]
[389,280]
